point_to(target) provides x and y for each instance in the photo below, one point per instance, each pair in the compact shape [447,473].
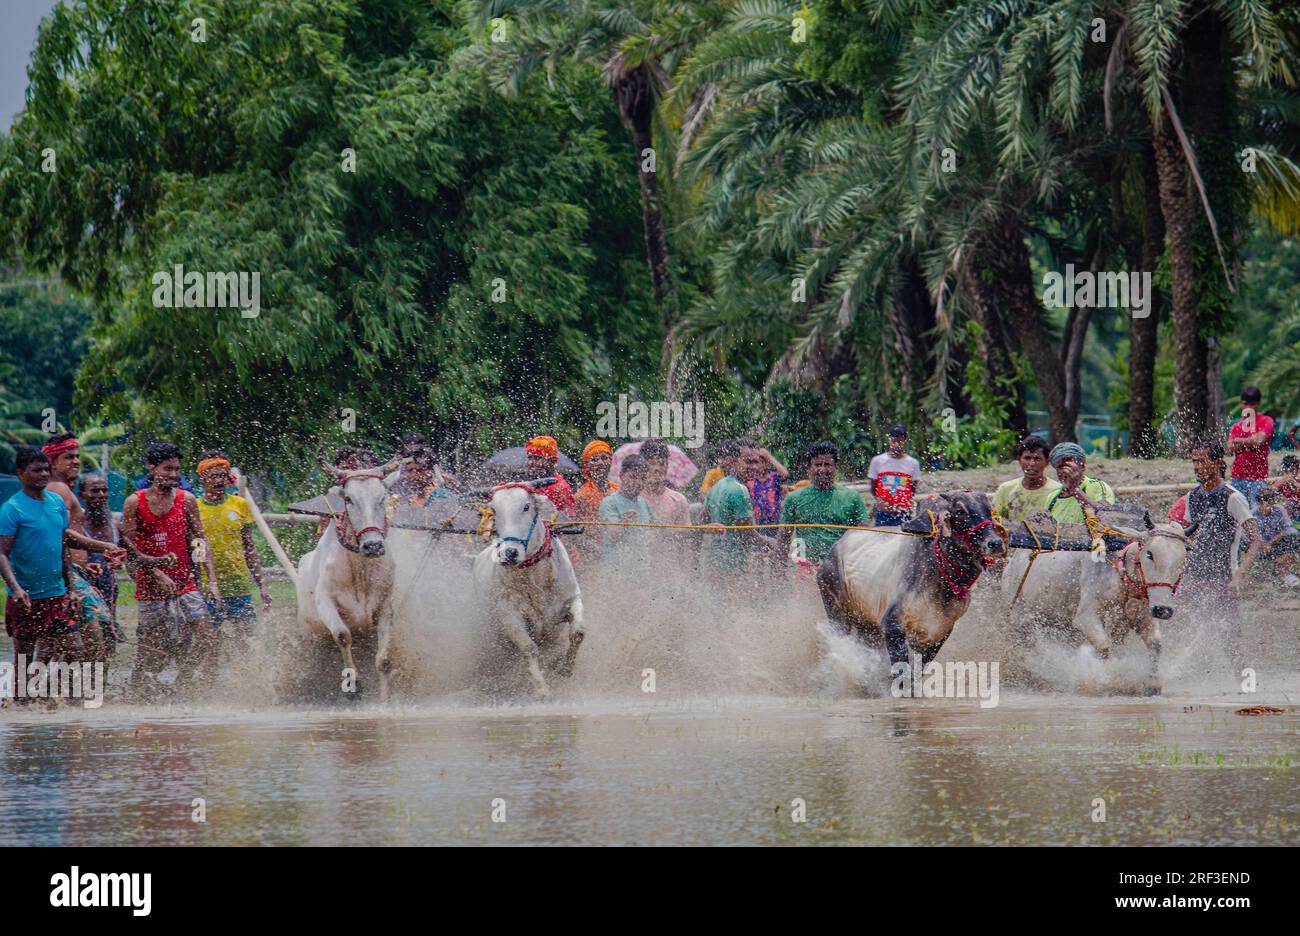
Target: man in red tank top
[162,521]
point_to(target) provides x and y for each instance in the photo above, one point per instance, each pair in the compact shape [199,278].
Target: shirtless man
[97,636]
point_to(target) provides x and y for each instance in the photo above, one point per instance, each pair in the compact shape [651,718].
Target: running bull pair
[905,593]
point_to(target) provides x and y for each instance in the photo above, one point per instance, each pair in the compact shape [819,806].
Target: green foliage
[377,285]
[982,438]
[482,273]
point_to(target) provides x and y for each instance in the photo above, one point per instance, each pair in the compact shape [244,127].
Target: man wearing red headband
[596,460]
[543,454]
[98,629]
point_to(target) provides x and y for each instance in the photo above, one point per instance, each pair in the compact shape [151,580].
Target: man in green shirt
[728,503]
[1077,489]
[1017,498]
[823,501]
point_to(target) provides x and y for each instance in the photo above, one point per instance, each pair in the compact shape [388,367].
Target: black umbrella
[516,459]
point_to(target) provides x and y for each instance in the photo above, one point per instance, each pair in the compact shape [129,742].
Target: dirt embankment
[1118,472]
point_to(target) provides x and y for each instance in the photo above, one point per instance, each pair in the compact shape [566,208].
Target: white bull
[1102,600]
[526,582]
[345,584]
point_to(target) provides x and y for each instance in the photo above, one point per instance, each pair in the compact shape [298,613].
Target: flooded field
[759,731]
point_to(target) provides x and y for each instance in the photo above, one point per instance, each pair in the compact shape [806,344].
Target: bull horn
[393,464]
[1146,520]
[332,470]
[542,482]
[1190,531]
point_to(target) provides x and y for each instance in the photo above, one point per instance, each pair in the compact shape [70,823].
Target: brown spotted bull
[905,593]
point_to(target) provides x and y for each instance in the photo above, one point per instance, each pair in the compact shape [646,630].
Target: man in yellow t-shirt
[1077,489]
[228,523]
[1017,498]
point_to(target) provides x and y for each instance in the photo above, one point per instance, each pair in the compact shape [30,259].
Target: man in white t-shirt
[894,475]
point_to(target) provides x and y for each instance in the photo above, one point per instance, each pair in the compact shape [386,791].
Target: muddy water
[758,718]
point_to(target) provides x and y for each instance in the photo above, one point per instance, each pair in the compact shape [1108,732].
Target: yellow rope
[717,526]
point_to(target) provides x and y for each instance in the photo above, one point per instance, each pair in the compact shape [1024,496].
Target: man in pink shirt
[1248,441]
[667,505]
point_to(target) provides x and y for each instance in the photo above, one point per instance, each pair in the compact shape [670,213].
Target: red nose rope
[344,525]
[547,546]
[1139,587]
[961,589]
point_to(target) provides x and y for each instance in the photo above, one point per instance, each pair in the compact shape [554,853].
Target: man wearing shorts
[90,556]
[36,567]
[163,520]
[228,523]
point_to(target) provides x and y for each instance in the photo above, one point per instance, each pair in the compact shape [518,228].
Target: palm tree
[636,44]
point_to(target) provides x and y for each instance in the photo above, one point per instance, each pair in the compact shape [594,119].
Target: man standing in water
[1213,577]
[36,567]
[100,525]
[228,523]
[823,501]
[98,634]
[1017,498]
[729,505]
[163,520]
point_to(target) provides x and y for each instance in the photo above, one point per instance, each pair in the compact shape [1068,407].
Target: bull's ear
[391,480]
[941,521]
[545,507]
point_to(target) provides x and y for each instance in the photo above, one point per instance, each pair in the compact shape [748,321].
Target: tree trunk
[635,98]
[1004,253]
[1142,332]
[1178,207]
[911,313]
[1209,121]
[982,301]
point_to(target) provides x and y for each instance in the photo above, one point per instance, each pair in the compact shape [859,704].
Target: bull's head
[1161,553]
[365,500]
[519,518]
[969,518]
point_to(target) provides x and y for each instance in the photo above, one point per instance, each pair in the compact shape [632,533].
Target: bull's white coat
[343,593]
[1065,589]
[537,607]
[873,570]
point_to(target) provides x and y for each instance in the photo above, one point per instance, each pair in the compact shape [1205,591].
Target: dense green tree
[430,257]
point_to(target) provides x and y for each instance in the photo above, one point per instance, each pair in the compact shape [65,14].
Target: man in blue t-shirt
[35,565]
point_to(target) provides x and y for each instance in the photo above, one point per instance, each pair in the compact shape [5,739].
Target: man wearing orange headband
[596,460]
[228,522]
[543,454]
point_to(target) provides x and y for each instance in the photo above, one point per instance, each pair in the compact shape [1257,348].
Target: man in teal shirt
[728,504]
[823,501]
[626,505]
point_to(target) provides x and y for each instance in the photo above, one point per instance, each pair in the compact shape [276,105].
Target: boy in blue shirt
[627,505]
